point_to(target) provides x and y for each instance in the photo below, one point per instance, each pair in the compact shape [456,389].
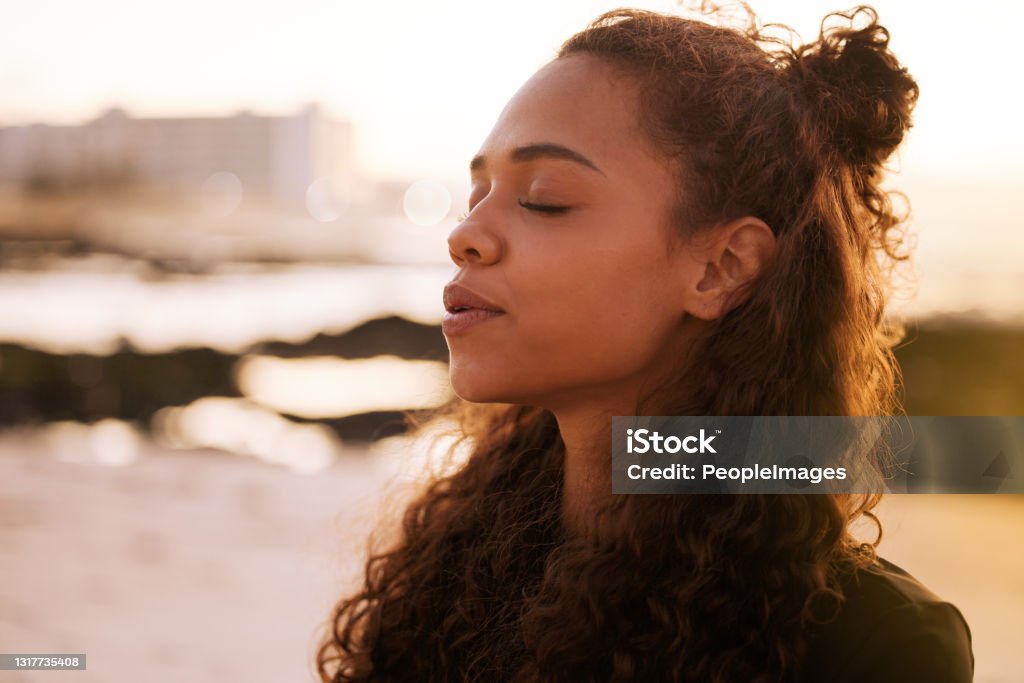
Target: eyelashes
[546,209]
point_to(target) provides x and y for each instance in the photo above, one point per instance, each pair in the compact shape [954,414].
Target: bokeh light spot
[427,202]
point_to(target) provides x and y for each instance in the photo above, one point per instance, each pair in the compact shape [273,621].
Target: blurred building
[277,158]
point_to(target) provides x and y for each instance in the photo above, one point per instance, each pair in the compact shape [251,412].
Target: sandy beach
[199,566]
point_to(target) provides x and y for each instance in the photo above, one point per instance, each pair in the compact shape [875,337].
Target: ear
[729,256]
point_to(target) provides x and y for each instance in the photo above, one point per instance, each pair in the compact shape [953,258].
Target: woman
[670,218]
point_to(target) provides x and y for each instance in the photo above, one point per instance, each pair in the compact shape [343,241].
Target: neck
[585,424]
[587,478]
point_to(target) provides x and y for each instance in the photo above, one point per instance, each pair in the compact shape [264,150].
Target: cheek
[610,318]
[601,328]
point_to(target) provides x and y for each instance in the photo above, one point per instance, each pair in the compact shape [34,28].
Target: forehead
[580,102]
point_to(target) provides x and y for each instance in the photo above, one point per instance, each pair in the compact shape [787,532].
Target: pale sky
[424,81]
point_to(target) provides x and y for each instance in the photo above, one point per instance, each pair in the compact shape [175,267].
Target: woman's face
[567,235]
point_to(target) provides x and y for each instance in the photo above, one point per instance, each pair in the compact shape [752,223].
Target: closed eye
[543,208]
[547,209]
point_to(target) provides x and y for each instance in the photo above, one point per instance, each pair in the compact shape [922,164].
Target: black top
[891,628]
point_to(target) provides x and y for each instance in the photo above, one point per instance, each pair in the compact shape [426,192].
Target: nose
[472,242]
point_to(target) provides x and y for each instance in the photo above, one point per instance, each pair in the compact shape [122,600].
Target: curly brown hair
[483,584]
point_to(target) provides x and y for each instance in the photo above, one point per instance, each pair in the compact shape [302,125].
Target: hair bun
[856,88]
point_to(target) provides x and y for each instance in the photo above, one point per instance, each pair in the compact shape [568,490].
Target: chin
[475,393]
[475,388]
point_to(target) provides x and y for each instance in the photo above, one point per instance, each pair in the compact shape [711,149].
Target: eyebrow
[539,150]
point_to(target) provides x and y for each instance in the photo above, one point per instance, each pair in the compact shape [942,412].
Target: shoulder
[891,628]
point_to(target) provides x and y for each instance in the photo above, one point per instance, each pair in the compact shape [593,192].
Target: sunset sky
[424,81]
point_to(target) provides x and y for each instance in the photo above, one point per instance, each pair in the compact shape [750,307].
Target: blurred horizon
[419,98]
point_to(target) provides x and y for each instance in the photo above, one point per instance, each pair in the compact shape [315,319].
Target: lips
[458,298]
[466,310]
